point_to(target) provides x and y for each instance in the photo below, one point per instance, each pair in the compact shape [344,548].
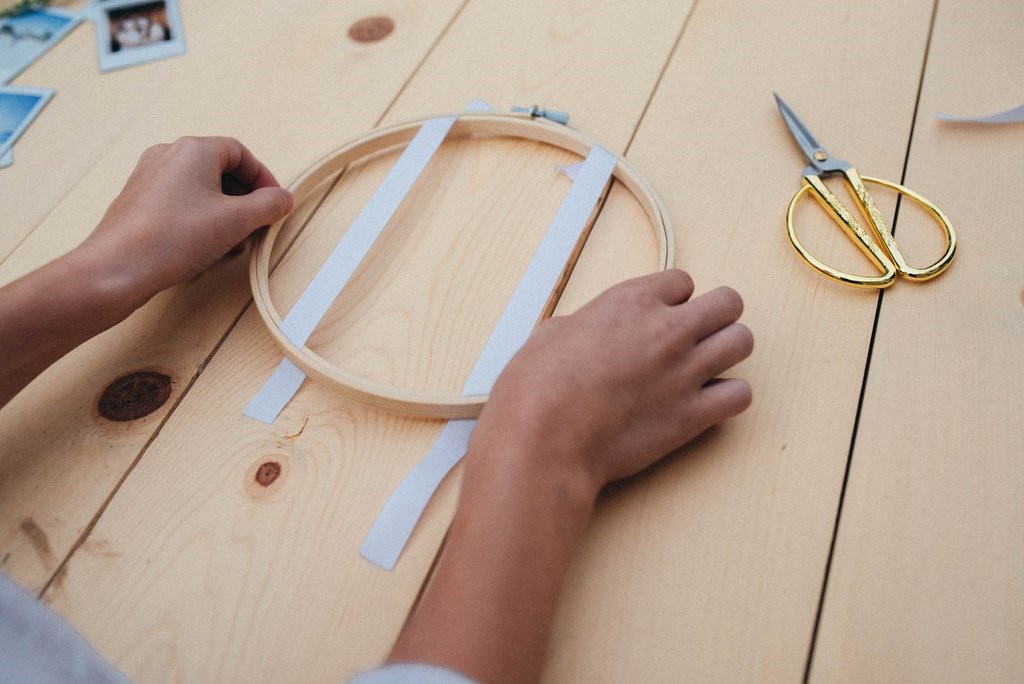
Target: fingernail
[289,199]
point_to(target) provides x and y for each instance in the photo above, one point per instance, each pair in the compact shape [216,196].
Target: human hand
[590,398]
[631,376]
[184,207]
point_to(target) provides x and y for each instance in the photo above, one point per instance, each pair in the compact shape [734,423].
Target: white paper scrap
[1015,115]
[394,524]
[570,170]
[478,105]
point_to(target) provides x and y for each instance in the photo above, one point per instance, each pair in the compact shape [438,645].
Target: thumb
[262,207]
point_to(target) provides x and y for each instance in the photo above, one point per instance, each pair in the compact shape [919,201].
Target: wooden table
[863,521]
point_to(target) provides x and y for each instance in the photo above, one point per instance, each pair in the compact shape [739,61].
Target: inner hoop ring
[399,399]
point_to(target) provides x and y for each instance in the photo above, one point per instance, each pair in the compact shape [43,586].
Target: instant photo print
[27,36]
[130,32]
[18,107]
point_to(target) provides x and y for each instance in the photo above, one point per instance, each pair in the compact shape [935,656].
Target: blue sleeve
[410,673]
[36,645]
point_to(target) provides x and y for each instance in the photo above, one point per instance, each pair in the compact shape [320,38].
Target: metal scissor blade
[814,152]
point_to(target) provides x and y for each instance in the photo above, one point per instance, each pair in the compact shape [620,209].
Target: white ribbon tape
[298,325]
[394,524]
[311,306]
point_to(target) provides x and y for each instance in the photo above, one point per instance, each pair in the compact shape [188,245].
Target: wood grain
[926,583]
[230,550]
[58,461]
[509,137]
[709,567]
[283,569]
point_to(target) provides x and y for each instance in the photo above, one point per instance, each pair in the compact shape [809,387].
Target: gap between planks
[867,361]
[61,567]
[597,214]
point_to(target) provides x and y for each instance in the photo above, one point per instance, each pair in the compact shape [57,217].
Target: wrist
[50,311]
[488,609]
[520,469]
[106,283]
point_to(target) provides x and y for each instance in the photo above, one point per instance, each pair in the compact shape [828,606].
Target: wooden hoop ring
[421,403]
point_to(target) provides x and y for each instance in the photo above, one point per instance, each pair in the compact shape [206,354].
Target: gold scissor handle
[887,256]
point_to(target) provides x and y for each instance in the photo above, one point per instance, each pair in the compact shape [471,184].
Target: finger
[711,311]
[237,161]
[725,398]
[260,207]
[722,350]
[157,151]
[672,286]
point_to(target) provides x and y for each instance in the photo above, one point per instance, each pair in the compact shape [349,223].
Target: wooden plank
[926,582]
[710,567]
[214,90]
[557,57]
[59,461]
[279,565]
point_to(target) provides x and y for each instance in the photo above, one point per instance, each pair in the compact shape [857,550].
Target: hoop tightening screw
[549,114]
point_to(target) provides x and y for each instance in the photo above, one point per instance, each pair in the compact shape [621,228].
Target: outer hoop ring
[398,399]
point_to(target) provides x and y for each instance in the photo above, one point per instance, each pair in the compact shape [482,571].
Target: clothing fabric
[410,673]
[38,647]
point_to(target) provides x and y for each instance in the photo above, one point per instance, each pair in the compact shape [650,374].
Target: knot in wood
[371,29]
[267,473]
[134,396]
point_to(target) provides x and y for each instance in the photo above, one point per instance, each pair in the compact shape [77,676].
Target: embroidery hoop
[419,402]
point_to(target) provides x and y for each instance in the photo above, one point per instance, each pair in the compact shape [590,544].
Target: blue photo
[18,107]
[24,38]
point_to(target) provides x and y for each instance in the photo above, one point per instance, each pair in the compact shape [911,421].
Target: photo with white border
[130,32]
[28,36]
[19,105]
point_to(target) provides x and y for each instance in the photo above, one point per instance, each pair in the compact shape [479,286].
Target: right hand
[605,392]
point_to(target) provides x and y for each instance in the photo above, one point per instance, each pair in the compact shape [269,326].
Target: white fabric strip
[1015,115]
[311,306]
[526,305]
[395,522]
[276,392]
[298,325]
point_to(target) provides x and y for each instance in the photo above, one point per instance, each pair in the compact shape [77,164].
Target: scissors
[881,247]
